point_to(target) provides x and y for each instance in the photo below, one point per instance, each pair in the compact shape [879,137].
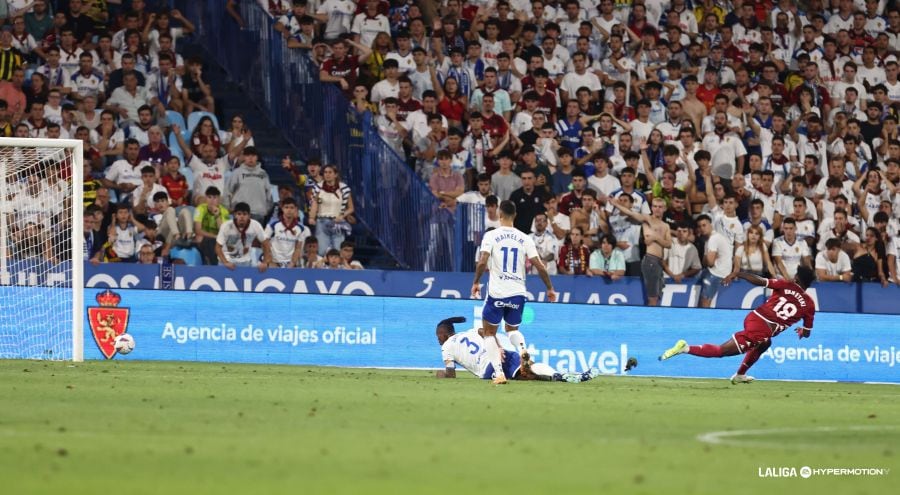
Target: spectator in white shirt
[546,243]
[126,99]
[235,238]
[789,252]
[479,195]
[389,126]
[337,16]
[368,24]
[682,260]
[387,87]
[726,148]
[833,264]
[718,257]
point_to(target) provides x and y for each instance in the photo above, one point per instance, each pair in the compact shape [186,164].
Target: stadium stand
[775,125]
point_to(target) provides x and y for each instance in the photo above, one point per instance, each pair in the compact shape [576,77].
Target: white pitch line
[727,437]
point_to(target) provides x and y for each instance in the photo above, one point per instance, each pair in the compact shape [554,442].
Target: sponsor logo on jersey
[107,321]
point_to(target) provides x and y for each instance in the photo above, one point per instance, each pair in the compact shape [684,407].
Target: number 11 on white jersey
[509,248]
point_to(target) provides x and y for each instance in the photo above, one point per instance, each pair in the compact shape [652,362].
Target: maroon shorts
[756,332]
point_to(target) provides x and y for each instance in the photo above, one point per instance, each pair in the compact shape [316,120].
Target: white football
[124,343]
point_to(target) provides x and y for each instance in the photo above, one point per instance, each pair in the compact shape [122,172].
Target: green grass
[147,427]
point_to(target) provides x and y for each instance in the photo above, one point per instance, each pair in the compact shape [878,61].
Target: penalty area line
[734,437]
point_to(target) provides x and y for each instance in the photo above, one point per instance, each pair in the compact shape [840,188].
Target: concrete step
[232,99]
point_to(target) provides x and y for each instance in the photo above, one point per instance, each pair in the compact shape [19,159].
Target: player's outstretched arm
[449,371]
[545,277]
[753,279]
[628,212]
[808,317]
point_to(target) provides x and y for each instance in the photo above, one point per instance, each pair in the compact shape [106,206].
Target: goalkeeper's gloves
[803,333]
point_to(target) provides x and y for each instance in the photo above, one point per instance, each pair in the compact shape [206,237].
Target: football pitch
[152,427]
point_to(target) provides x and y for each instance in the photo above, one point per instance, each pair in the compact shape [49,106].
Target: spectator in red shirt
[546,96]
[11,92]
[732,53]
[406,104]
[708,91]
[574,256]
[205,133]
[494,123]
[341,68]
[452,104]
[571,201]
[174,182]
[858,34]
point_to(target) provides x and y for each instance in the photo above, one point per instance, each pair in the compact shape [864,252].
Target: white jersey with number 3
[467,350]
[509,248]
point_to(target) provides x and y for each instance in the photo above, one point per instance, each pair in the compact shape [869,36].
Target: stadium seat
[174,148]
[190,256]
[188,175]
[194,118]
[176,118]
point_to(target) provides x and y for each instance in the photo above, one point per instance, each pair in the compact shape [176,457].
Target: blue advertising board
[395,332]
[829,296]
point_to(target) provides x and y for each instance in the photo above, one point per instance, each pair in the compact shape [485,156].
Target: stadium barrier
[829,296]
[398,332]
[318,121]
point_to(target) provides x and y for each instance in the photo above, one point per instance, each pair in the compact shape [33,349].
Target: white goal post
[41,249]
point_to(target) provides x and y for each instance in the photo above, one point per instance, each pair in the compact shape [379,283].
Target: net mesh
[36,296]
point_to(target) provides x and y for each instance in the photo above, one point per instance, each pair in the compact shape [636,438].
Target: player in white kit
[467,350]
[507,248]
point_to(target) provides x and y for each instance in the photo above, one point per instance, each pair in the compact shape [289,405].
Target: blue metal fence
[469,229]
[318,121]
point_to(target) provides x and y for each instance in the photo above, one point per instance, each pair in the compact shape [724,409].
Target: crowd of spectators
[654,138]
[709,136]
[112,74]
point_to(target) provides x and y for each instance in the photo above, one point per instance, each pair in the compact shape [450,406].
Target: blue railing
[318,121]
[469,228]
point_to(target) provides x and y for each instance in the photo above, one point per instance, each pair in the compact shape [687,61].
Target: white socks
[518,340]
[493,354]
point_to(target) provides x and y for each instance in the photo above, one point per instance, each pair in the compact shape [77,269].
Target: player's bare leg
[492,348]
[750,359]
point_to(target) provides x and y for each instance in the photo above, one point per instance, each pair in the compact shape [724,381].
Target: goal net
[41,249]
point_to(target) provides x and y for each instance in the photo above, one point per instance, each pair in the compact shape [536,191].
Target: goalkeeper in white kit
[467,350]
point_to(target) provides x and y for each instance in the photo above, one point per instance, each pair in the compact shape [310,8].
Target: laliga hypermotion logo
[107,321]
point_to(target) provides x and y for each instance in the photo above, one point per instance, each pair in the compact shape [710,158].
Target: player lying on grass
[788,303]
[467,349]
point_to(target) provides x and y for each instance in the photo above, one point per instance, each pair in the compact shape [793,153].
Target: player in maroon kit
[788,303]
